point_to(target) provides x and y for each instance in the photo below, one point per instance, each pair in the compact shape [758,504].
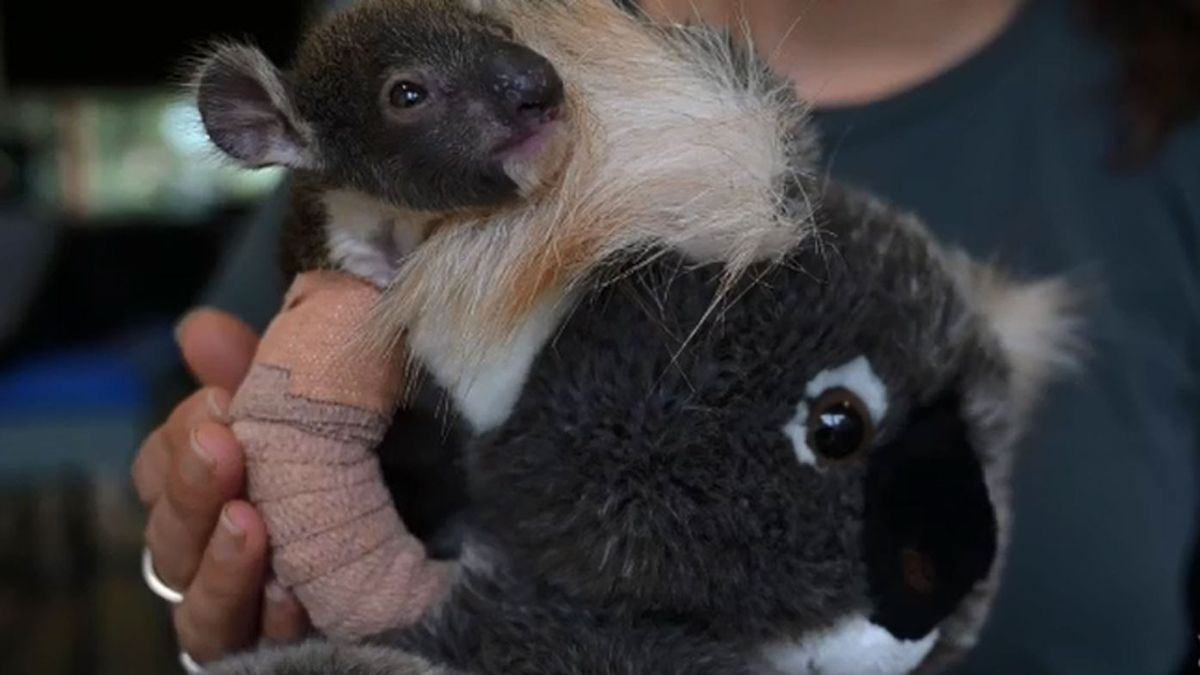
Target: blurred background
[113,215]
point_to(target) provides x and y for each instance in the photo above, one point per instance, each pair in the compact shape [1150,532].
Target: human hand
[204,540]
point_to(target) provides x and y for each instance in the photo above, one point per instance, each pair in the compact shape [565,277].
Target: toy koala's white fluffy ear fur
[1038,323]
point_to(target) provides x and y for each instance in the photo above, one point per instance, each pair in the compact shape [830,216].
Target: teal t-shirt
[1006,154]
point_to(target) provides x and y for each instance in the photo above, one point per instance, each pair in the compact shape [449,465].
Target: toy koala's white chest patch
[853,646]
[485,387]
[488,395]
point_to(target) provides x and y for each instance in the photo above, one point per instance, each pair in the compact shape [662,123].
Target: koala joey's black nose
[525,84]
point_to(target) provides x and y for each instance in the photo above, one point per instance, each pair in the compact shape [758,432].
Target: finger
[202,478]
[283,618]
[220,611]
[217,347]
[149,470]
[153,462]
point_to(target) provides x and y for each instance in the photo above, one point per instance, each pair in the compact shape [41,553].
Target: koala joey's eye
[839,425]
[405,95]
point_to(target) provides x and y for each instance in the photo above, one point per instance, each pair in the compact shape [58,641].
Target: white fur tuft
[1038,323]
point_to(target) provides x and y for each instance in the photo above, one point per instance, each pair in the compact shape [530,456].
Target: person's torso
[1007,155]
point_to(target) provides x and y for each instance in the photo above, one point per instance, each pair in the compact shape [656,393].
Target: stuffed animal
[727,418]
[803,472]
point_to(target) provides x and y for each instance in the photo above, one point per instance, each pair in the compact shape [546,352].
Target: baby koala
[392,116]
[397,118]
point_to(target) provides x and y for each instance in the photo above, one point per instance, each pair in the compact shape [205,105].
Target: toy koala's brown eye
[839,425]
[405,94]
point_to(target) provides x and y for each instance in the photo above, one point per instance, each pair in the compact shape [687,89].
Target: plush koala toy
[804,471]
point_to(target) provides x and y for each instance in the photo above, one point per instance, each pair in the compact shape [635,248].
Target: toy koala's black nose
[929,527]
[526,84]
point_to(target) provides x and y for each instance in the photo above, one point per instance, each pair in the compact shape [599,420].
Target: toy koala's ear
[1038,323]
[248,112]
[479,5]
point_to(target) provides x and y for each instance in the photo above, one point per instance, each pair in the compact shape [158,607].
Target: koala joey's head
[426,104]
[821,469]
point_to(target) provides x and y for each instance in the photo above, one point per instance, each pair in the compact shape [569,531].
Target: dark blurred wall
[75,44]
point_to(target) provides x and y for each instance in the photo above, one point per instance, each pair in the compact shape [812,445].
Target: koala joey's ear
[248,112]
[1038,323]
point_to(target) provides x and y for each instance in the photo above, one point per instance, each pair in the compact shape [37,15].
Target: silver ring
[156,585]
[189,664]
[172,596]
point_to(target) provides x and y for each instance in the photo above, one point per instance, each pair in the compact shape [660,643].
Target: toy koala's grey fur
[656,502]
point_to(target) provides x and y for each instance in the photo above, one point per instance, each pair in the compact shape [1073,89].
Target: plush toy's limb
[323,658]
[310,414]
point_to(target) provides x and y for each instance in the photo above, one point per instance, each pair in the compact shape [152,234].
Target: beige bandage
[310,414]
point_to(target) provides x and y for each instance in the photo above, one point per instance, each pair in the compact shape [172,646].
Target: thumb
[217,347]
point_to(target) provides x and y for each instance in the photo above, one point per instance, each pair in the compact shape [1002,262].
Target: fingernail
[277,594]
[217,406]
[229,545]
[196,465]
